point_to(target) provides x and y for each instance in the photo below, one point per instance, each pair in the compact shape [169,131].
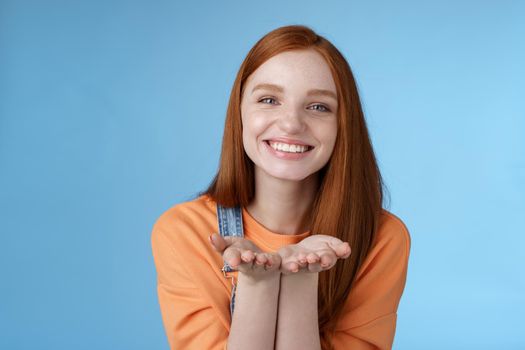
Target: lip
[289,141]
[285,155]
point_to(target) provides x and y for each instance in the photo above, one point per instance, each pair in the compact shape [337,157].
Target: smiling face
[289,115]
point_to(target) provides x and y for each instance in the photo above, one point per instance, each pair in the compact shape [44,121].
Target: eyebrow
[277,88]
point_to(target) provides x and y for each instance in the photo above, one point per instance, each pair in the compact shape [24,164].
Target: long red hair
[348,203]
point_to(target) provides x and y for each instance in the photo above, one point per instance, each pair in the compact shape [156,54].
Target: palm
[313,254]
[243,255]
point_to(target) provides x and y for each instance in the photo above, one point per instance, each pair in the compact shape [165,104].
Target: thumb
[217,242]
[341,249]
[220,243]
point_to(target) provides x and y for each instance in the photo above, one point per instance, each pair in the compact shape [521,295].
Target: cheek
[333,135]
[328,133]
[330,138]
[250,134]
[253,126]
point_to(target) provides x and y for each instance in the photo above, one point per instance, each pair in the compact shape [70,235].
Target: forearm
[255,314]
[297,320]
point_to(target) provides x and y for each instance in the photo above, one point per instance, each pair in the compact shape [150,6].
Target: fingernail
[210,239]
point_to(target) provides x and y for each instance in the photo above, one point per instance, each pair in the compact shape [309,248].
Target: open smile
[291,146]
[288,151]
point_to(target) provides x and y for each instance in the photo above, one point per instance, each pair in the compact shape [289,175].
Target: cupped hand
[243,255]
[313,254]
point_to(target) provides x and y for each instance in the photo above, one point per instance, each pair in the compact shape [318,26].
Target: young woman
[289,247]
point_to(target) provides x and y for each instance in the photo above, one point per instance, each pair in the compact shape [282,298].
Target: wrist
[267,278]
[301,278]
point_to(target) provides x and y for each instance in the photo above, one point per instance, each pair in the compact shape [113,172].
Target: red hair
[348,203]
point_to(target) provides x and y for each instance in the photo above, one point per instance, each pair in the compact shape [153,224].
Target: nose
[292,121]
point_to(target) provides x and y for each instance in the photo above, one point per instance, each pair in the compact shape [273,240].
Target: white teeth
[284,147]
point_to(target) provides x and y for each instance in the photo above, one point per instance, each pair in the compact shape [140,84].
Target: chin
[289,176]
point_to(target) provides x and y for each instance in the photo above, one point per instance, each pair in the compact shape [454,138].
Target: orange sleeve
[369,317]
[188,317]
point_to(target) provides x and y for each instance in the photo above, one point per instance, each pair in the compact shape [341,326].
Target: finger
[258,262]
[261,259]
[218,242]
[301,262]
[312,258]
[348,250]
[289,263]
[341,249]
[247,256]
[301,258]
[273,263]
[327,260]
[232,257]
[291,267]
[257,266]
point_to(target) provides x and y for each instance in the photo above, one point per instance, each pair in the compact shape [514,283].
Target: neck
[280,205]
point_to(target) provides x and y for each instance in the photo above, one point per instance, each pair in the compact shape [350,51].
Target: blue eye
[267,99]
[322,108]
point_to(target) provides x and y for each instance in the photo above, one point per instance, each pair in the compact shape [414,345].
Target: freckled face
[288,110]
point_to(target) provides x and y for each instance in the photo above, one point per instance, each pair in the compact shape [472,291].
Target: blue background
[112,111]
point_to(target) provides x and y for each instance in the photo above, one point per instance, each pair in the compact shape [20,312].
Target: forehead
[299,69]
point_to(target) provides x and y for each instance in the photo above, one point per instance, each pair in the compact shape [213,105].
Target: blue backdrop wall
[112,111]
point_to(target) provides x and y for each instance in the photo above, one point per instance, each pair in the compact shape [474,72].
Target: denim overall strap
[230,225]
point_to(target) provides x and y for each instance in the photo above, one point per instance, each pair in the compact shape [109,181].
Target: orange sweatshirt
[194,295]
